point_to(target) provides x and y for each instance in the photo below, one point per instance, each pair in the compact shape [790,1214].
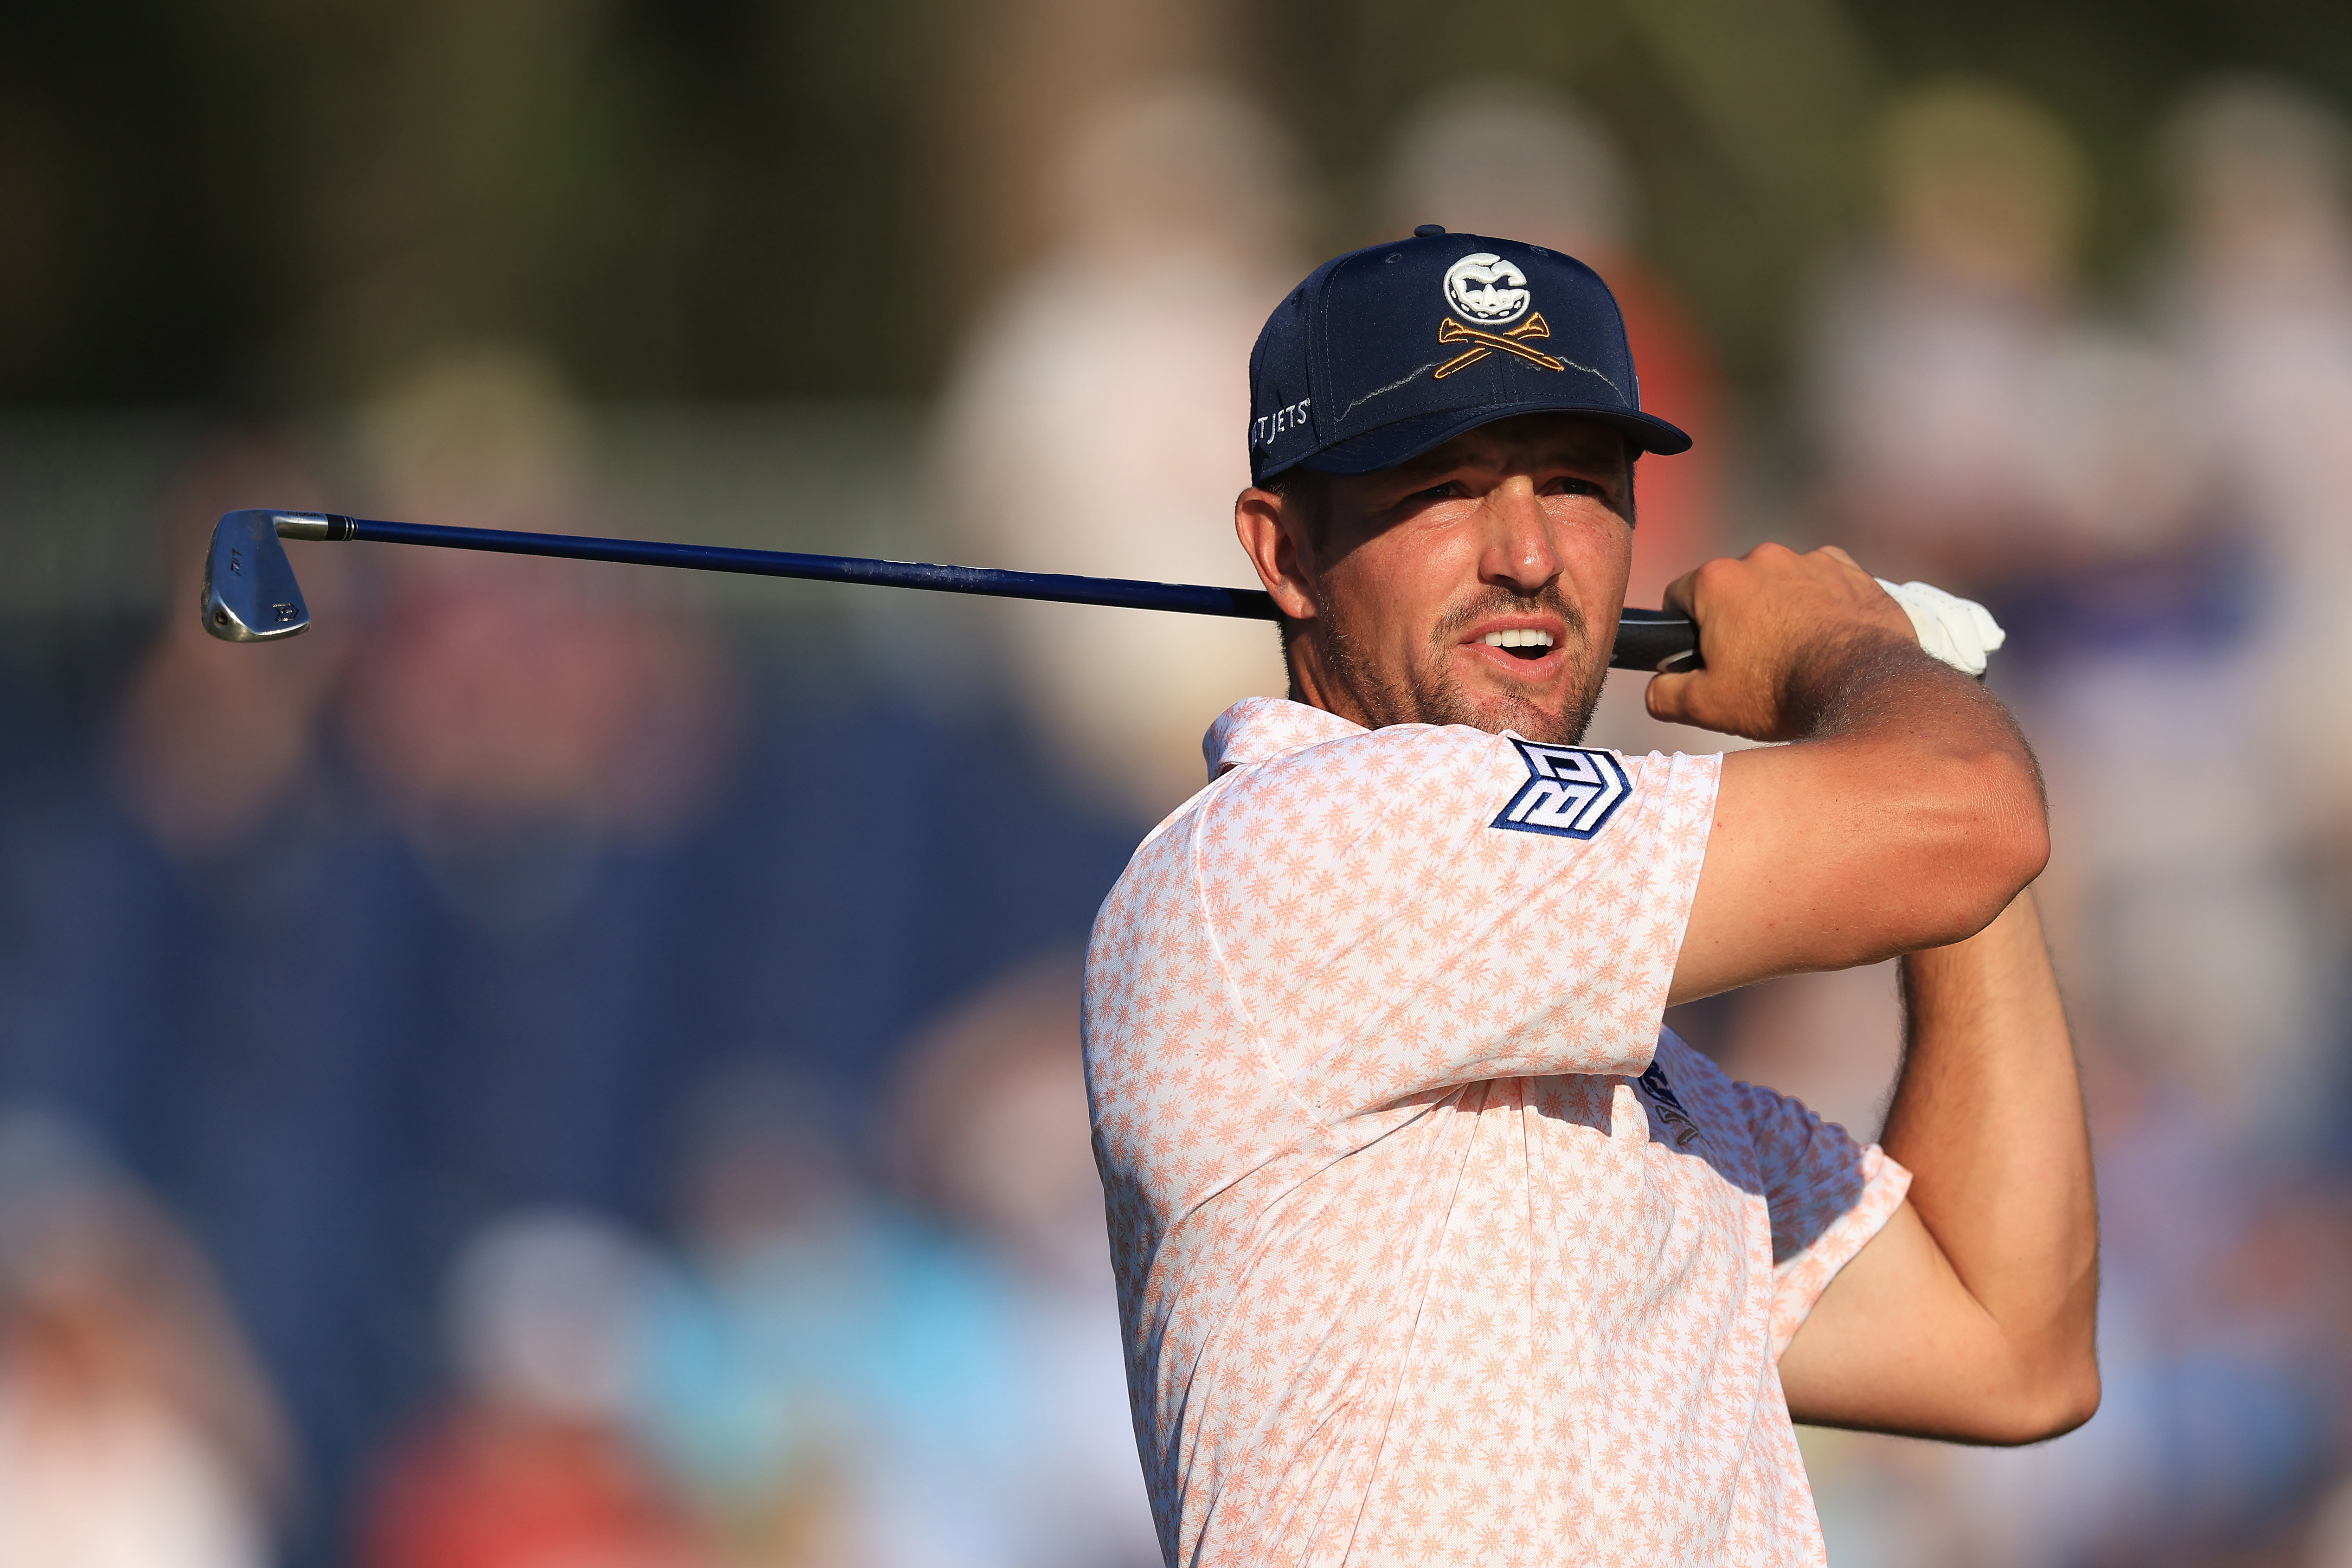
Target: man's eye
[1446,491]
[1575,488]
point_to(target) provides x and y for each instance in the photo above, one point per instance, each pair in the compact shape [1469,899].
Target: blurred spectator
[216,738]
[830,1381]
[1973,429]
[530,1464]
[519,702]
[2261,307]
[545,738]
[993,1131]
[2185,932]
[1097,423]
[135,1431]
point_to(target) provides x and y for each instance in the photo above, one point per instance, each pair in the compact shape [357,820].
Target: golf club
[251,596]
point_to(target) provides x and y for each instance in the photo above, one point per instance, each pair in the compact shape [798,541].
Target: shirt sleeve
[1826,1194]
[1419,906]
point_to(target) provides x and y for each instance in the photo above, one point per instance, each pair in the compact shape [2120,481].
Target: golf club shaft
[1646,640]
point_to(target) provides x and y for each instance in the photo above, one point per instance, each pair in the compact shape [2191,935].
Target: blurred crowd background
[570,1068]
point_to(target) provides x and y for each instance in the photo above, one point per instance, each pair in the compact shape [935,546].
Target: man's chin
[1556,719]
[1555,711]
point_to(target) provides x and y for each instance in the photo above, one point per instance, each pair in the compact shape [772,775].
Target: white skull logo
[1487,289]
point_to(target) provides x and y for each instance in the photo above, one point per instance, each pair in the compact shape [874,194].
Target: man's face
[1478,584]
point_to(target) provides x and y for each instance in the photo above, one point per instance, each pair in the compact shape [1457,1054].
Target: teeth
[1518,639]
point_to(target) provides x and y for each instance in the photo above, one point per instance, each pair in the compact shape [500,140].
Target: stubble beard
[1426,694]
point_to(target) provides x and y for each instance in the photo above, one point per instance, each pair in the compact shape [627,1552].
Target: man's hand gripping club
[1780,630]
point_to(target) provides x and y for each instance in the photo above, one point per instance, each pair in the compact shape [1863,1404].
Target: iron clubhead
[250,594]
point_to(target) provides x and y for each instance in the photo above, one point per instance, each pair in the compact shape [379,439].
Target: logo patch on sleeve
[1572,792]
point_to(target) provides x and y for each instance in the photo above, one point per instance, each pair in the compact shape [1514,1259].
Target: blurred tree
[265,200]
[794,261]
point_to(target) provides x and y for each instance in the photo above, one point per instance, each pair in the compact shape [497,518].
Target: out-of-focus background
[565,1067]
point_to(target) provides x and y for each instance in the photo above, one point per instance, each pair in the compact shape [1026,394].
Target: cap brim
[1389,445]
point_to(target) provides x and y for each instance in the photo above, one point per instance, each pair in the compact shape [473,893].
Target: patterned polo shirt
[1433,1247]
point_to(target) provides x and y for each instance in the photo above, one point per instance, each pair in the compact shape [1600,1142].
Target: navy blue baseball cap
[1386,352]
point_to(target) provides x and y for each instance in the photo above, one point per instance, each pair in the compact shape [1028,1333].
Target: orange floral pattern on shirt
[1410,1268]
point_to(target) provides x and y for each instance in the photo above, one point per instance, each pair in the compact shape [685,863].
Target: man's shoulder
[1290,763]
[1346,782]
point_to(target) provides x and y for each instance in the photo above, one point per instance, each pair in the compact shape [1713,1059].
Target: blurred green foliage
[270,200]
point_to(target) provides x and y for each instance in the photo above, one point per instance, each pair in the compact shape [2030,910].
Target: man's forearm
[1988,1116]
[1907,816]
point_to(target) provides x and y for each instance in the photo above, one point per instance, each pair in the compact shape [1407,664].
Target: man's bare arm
[1907,813]
[1970,1314]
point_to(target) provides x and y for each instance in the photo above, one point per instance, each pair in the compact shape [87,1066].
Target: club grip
[1661,641]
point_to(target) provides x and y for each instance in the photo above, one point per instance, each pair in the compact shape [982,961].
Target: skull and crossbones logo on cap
[1491,292]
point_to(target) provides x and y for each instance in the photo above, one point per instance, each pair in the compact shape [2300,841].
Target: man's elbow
[2050,1406]
[1992,838]
[2077,1404]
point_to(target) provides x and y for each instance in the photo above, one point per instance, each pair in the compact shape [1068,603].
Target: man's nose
[1519,553]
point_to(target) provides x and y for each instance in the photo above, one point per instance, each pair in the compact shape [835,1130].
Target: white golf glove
[1959,631]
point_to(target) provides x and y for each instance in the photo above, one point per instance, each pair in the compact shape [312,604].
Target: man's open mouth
[1525,643]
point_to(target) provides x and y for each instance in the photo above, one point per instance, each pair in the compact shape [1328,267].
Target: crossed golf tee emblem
[1450,331]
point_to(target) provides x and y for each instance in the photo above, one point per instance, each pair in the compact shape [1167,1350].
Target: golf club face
[250,594]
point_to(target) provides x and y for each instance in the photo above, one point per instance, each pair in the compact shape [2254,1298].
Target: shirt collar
[1259,729]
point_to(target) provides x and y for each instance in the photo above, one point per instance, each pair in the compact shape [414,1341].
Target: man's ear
[1274,534]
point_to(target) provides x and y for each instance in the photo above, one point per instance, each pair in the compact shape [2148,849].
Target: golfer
[1433,1247]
